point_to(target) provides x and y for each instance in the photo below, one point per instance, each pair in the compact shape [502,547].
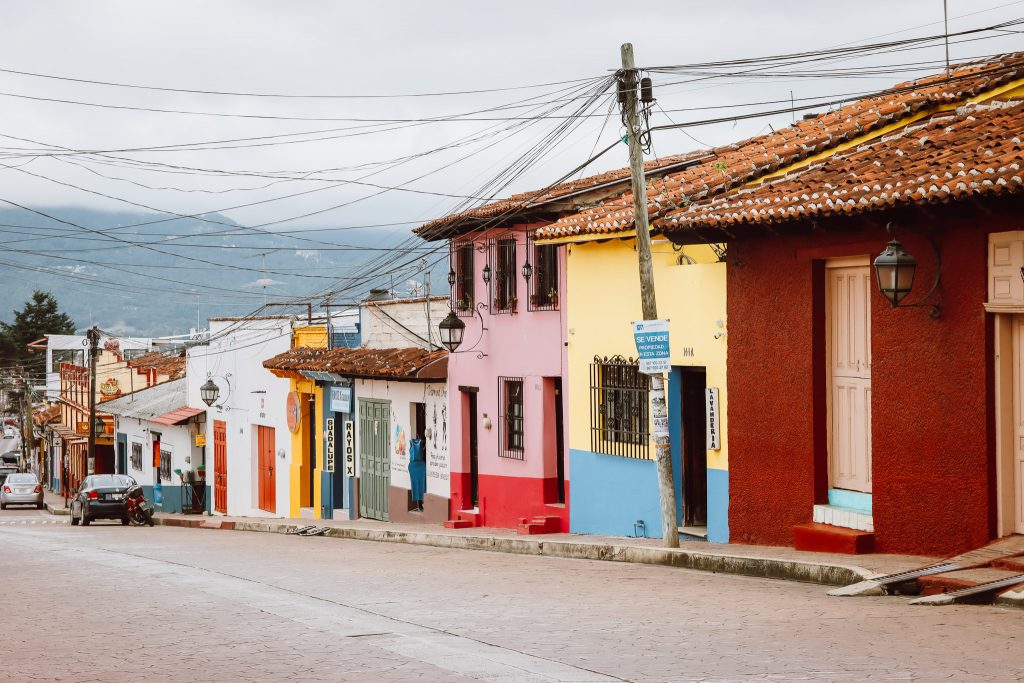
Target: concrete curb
[53,510]
[761,567]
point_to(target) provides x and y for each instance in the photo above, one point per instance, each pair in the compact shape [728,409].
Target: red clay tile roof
[509,210]
[404,364]
[46,416]
[973,151]
[740,163]
[171,365]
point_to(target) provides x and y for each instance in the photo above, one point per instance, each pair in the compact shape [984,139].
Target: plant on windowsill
[465,303]
[507,305]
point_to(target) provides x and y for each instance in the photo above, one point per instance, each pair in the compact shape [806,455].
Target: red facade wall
[932,404]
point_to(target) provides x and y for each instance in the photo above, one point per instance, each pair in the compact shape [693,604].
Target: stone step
[1014,564]
[539,525]
[825,538]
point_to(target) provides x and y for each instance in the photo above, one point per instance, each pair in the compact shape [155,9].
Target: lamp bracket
[483,328]
[936,308]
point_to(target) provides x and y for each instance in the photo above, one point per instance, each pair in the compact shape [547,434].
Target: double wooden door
[220,466]
[374,458]
[267,486]
[848,343]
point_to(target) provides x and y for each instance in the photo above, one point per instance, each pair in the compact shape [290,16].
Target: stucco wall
[604,299]
[931,392]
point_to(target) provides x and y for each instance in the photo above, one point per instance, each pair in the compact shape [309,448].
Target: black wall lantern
[209,392]
[487,273]
[451,330]
[894,271]
[527,271]
[452,278]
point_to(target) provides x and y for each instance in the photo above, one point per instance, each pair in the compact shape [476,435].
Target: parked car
[5,472]
[21,489]
[10,433]
[101,496]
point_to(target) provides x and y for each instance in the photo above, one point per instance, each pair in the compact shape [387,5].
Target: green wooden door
[374,458]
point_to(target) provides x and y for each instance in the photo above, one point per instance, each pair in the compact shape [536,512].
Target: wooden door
[374,458]
[1016,519]
[265,445]
[220,466]
[848,345]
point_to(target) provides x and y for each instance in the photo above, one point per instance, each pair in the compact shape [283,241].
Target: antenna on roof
[945,20]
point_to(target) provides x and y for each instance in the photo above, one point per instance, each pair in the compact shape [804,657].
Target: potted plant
[201,472]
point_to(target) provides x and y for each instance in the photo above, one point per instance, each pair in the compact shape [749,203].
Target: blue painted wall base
[611,494]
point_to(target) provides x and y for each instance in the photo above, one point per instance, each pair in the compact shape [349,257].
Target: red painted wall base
[505,501]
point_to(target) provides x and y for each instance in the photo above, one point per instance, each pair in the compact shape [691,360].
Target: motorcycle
[138,510]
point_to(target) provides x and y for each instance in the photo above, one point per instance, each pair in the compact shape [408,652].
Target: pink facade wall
[526,344]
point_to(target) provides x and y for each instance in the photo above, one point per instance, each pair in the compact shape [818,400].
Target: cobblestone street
[116,603]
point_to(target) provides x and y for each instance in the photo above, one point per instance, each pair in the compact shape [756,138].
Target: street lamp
[209,392]
[452,277]
[487,273]
[451,330]
[894,269]
[527,271]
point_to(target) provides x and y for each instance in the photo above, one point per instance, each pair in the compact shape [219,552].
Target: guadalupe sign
[329,446]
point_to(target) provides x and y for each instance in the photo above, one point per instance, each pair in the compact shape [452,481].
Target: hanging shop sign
[293,409]
[651,338]
[714,426]
[200,439]
[329,445]
[350,449]
[341,399]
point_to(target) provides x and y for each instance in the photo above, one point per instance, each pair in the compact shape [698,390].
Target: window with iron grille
[137,456]
[544,280]
[165,465]
[502,259]
[510,417]
[463,293]
[619,407]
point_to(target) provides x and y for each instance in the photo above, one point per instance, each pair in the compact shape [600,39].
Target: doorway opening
[470,448]
[417,457]
[694,449]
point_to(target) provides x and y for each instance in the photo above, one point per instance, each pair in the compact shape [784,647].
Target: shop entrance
[694,450]
[265,445]
[374,458]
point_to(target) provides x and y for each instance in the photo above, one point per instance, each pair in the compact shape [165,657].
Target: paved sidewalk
[762,561]
[54,503]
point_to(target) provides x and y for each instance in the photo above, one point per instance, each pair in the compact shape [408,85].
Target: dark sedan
[101,497]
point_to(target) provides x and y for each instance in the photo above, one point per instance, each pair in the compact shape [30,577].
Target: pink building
[505,381]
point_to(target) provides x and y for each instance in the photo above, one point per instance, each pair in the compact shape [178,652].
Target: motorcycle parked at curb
[138,510]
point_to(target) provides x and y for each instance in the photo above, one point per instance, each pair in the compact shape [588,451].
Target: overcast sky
[387,48]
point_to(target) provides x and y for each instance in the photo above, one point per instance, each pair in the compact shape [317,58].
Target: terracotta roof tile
[164,364]
[507,209]
[737,164]
[409,363]
[974,151]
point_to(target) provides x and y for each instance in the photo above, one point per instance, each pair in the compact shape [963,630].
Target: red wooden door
[220,466]
[267,485]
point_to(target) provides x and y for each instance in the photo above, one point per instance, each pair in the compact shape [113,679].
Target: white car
[9,433]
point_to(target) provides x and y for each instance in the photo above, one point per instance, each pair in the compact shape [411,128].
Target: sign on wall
[329,446]
[714,435]
[200,439]
[341,399]
[651,337]
[293,410]
[350,449]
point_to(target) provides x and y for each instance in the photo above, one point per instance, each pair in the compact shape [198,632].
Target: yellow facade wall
[603,298]
[313,337]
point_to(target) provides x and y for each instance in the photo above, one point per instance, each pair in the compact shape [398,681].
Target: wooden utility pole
[93,335]
[629,85]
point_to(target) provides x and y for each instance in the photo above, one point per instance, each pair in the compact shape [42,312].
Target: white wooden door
[1017,517]
[848,326]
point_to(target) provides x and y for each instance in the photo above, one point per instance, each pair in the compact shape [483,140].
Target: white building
[70,348]
[155,432]
[248,413]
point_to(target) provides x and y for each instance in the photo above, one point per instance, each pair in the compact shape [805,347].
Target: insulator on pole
[621,87]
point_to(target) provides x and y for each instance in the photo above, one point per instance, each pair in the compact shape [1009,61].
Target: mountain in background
[223,269]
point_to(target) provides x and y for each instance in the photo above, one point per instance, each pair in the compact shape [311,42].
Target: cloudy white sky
[387,48]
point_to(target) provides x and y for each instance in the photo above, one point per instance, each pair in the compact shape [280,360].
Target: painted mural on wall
[438,461]
[404,398]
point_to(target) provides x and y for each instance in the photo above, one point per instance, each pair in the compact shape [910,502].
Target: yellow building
[612,470]
[307,435]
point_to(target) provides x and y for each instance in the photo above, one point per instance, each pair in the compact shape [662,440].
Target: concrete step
[464,519]
[539,525]
[825,538]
